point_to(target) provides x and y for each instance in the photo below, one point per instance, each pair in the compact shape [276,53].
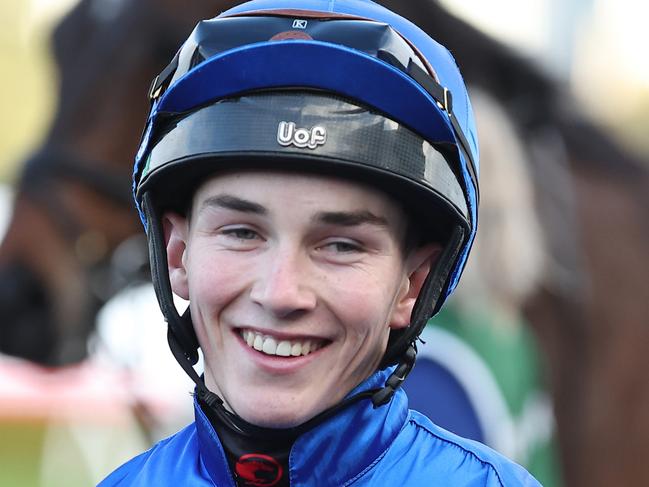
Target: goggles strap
[161,82]
[443,97]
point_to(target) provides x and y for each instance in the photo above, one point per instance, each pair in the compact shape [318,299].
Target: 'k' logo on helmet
[287,135]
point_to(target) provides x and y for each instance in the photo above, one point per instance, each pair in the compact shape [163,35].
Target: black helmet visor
[305,131]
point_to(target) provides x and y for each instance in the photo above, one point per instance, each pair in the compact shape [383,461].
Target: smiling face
[294,283]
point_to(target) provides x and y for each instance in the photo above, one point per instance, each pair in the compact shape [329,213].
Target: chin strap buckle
[407,362]
[208,397]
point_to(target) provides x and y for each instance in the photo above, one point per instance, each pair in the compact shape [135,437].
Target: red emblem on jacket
[259,470]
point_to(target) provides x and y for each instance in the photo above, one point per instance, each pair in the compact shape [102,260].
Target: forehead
[295,189]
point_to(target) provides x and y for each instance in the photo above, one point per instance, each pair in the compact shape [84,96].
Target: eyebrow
[342,218]
[350,219]
[233,203]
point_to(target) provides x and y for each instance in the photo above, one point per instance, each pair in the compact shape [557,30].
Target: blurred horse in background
[74,240]
[73,207]
[590,308]
[587,303]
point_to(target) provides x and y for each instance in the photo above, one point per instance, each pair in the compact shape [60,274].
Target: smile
[283,348]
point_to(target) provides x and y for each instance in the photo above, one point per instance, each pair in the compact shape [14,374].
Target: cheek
[366,304]
[214,278]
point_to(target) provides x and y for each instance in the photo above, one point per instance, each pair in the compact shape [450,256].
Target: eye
[341,247]
[240,233]
[238,237]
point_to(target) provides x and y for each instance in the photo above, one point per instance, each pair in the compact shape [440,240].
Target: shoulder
[462,458]
[157,465]
[425,454]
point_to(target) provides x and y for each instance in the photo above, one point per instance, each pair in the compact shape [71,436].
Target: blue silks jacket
[360,446]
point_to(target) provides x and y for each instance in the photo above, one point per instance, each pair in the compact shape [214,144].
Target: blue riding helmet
[343,87]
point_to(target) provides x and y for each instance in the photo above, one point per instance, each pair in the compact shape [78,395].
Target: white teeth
[270,346]
[284,348]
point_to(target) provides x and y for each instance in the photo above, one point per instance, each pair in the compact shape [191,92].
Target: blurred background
[542,353]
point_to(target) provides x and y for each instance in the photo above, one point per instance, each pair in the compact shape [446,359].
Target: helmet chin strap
[402,348]
[180,326]
[184,345]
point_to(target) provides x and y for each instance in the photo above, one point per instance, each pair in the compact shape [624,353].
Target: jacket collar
[333,452]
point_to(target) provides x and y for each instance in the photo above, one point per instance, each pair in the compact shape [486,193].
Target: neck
[320,442]
[254,454]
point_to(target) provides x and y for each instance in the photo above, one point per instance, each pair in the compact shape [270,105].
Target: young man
[308,181]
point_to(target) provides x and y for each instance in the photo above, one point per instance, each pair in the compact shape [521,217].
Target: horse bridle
[52,164]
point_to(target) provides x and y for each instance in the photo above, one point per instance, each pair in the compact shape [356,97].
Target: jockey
[307,179]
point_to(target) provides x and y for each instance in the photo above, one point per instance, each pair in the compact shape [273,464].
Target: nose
[283,286]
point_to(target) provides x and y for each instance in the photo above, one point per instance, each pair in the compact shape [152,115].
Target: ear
[416,268]
[176,229]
